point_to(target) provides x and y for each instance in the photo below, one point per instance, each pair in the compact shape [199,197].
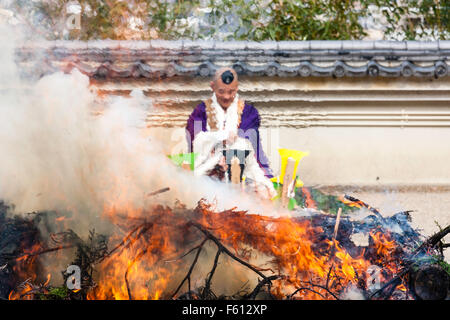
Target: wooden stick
[287,180]
[235,171]
[154,193]
[333,246]
[336,226]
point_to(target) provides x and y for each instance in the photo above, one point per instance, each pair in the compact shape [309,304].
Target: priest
[225,122]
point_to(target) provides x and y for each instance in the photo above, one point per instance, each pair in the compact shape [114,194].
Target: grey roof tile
[102,44]
[357,45]
[389,45]
[422,45]
[166,44]
[231,45]
[198,44]
[294,45]
[267,58]
[72,45]
[326,45]
[264,45]
[444,44]
[135,45]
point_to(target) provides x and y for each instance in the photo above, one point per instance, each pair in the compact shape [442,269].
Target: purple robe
[248,129]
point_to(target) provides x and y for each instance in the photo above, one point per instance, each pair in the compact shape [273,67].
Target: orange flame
[288,243]
[309,201]
[151,259]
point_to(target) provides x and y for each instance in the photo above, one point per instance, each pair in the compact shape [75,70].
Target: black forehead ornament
[227,77]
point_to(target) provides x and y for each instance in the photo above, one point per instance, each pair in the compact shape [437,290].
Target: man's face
[225,93]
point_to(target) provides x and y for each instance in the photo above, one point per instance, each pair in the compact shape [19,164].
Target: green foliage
[444,266]
[321,201]
[57,293]
[417,19]
[432,259]
[242,19]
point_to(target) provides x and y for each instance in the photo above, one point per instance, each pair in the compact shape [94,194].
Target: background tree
[236,19]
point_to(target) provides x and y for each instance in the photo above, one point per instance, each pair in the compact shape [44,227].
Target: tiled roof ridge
[164,58]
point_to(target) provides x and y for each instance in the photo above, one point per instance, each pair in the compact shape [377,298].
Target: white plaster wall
[359,131]
[351,156]
[368,156]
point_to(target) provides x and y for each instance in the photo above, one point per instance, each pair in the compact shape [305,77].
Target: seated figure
[225,122]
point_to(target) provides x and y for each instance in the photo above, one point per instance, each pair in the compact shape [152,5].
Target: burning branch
[143,252]
[262,283]
[129,239]
[428,244]
[188,275]
[220,249]
[432,241]
[206,290]
[154,193]
[365,205]
[38,253]
[313,256]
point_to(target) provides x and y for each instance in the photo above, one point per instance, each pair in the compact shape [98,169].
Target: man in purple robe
[226,122]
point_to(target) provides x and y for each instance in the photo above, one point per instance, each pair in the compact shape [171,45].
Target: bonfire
[202,253]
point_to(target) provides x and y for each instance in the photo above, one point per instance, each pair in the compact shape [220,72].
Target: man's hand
[223,163]
[232,137]
[264,191]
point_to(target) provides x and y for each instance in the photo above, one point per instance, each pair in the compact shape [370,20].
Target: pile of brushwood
[23,239]
[420,261]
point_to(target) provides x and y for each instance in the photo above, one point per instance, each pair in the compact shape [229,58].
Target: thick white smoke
[65,148]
